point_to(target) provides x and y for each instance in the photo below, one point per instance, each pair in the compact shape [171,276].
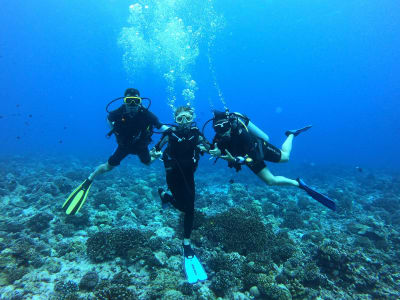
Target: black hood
[219,115]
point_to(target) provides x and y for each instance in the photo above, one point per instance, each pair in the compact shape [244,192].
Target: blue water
[333,64]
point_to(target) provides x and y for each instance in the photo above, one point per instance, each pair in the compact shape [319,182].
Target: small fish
[65,127]
[17,105]
[231,181]
[18,137]
[60,141]
[359,169]
[1,117]
[30,116]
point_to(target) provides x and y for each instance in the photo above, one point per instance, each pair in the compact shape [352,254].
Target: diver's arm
[110,124]
[203,144]
[164,140]
[164,128]
[236,161]
[156,152]
[215,151]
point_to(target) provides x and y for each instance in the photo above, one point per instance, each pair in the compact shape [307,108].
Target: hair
[131,92]
[183,109]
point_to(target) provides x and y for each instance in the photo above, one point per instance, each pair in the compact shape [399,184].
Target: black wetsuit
[181,158]
[242,143]
[133,133]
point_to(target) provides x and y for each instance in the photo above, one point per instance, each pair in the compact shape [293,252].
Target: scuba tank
[257,132]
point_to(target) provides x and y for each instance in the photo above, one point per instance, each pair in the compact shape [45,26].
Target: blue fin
[324,200]
[194,270]
[199,270]
[190,271]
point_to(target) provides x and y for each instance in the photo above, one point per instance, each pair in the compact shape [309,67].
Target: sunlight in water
[167,35]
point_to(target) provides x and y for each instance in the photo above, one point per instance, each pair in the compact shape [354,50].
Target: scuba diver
[240,142]
[184,143]
[132,124]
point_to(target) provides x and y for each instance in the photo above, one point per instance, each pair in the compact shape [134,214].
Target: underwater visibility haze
[283,65]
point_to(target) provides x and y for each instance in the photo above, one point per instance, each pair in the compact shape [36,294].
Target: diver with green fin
[132,124]
[184,144]
[240,142]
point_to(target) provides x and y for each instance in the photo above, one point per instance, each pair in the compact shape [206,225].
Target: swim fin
[75,201]
[296,132]
[193,269]
[324,200]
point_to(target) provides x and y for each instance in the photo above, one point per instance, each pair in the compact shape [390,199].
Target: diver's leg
[176,186]
[144,154]
[286,148]
[270,179]
[115,159]
[189,205]
[287,144]
[103,168]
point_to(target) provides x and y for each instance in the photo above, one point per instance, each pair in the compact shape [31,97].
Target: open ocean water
[284,65]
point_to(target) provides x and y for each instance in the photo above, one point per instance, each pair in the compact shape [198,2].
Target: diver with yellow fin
[240,142]
[132,124]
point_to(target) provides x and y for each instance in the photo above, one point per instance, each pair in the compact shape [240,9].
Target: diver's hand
[215,152]
[228,156]
[155,154]
[202,148]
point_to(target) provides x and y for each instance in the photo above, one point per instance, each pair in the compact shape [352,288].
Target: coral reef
[104,246]
[114,291]
[234,225]
[89,281]
[255,241]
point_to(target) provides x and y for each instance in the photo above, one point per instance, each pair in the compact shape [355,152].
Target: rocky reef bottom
[255,241]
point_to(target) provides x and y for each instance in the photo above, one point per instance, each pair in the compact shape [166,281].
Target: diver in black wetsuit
[132,124]
[181,156]
[240,142]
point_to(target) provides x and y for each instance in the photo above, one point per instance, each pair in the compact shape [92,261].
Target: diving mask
[133,100]
[184,118]
[222,126]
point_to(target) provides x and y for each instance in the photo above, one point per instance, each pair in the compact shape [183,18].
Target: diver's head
[131,92]
[184,115]
[132,100]
[221,123]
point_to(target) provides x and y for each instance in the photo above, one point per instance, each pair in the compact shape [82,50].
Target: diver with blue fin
[240,142]
[184,143]
[132,124]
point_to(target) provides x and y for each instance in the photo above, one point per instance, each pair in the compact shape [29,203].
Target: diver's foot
[164,202]
[296,132]
[301,182]
[188,251]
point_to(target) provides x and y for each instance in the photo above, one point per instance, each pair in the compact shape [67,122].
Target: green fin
[77,198]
